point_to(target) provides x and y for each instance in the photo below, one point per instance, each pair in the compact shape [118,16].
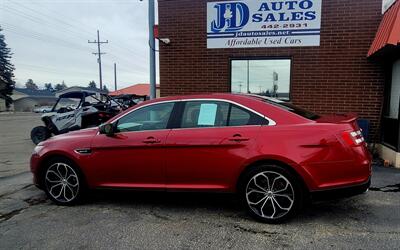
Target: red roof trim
[137,89]
[389,30]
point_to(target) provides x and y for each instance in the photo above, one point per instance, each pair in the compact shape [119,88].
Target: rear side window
[197,114]
[242,117]
[205,114]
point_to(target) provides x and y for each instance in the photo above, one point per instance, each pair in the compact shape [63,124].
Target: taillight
[353,138]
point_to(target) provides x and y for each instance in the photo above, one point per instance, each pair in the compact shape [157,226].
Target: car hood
[79,135]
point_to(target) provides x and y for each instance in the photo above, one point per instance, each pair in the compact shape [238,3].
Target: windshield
[290,107]
[67,103]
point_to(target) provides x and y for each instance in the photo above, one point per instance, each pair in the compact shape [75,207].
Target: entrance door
[390,120]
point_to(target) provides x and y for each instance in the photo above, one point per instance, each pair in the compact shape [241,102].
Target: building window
[390,120]
[267,77]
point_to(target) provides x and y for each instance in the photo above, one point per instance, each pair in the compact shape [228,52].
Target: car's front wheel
[271,193]
[63,182]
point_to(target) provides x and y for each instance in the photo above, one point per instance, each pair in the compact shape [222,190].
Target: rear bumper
[338,193]
[338,175]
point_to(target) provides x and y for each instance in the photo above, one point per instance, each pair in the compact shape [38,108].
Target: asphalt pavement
[15,142]
[156,220]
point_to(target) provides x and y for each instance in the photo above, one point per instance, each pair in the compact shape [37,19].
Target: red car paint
[212,159]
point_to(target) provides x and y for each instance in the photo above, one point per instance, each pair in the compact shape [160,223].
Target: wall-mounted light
[165,40]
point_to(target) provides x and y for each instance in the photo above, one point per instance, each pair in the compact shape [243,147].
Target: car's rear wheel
[271,193]
[63,182]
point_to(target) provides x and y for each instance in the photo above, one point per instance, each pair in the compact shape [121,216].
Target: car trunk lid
[352,136]
[338,118]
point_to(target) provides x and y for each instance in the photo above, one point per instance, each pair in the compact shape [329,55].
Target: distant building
[25,100]
[137,89]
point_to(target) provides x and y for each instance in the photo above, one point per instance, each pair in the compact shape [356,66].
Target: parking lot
[155,220]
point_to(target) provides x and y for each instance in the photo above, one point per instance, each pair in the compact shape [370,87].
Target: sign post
[152,49]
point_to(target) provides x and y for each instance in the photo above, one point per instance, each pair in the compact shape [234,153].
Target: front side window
[267,77]
[154,117]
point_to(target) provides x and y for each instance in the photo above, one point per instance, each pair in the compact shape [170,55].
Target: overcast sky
[49,39]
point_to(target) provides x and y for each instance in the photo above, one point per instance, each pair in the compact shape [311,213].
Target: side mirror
[107,129]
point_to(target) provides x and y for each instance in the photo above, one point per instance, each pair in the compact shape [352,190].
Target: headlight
[37,149]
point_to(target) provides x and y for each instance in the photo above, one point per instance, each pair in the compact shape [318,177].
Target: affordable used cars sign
[263,23]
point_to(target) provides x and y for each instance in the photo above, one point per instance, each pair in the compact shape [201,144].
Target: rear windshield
[291,108]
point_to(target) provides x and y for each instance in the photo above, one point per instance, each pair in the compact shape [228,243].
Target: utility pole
[152,44]
[99,56]
[115,76]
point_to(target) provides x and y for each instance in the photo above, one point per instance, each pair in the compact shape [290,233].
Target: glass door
[390,120]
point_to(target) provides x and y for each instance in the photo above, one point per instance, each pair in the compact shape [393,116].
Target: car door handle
[151,140]
[238,138]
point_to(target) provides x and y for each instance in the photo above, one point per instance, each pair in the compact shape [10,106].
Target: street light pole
[152,44]
[115,76]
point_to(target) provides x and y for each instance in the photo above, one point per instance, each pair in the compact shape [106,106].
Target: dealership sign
[263,23]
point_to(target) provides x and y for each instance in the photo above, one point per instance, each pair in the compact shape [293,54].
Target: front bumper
[34,164]
[338,193]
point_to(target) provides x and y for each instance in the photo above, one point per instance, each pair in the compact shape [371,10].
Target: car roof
[253,102]
[223,96]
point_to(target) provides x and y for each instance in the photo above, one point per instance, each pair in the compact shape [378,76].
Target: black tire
[39,134]
[275,202]
[71,187]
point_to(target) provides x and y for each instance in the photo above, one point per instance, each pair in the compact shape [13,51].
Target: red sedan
[273,154]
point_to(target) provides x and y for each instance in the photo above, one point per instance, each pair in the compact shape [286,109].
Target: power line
[65,45]
[82,26]
[120,45]
[44,22]
[41,21]
[60,42]
[51,69]
[75,27]
[42,17]
[72,28]
[99,43]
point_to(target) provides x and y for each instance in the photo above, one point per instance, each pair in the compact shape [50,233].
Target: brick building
[314,53]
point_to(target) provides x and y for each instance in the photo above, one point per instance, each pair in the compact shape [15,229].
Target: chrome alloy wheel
[62,182]
[270,195]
